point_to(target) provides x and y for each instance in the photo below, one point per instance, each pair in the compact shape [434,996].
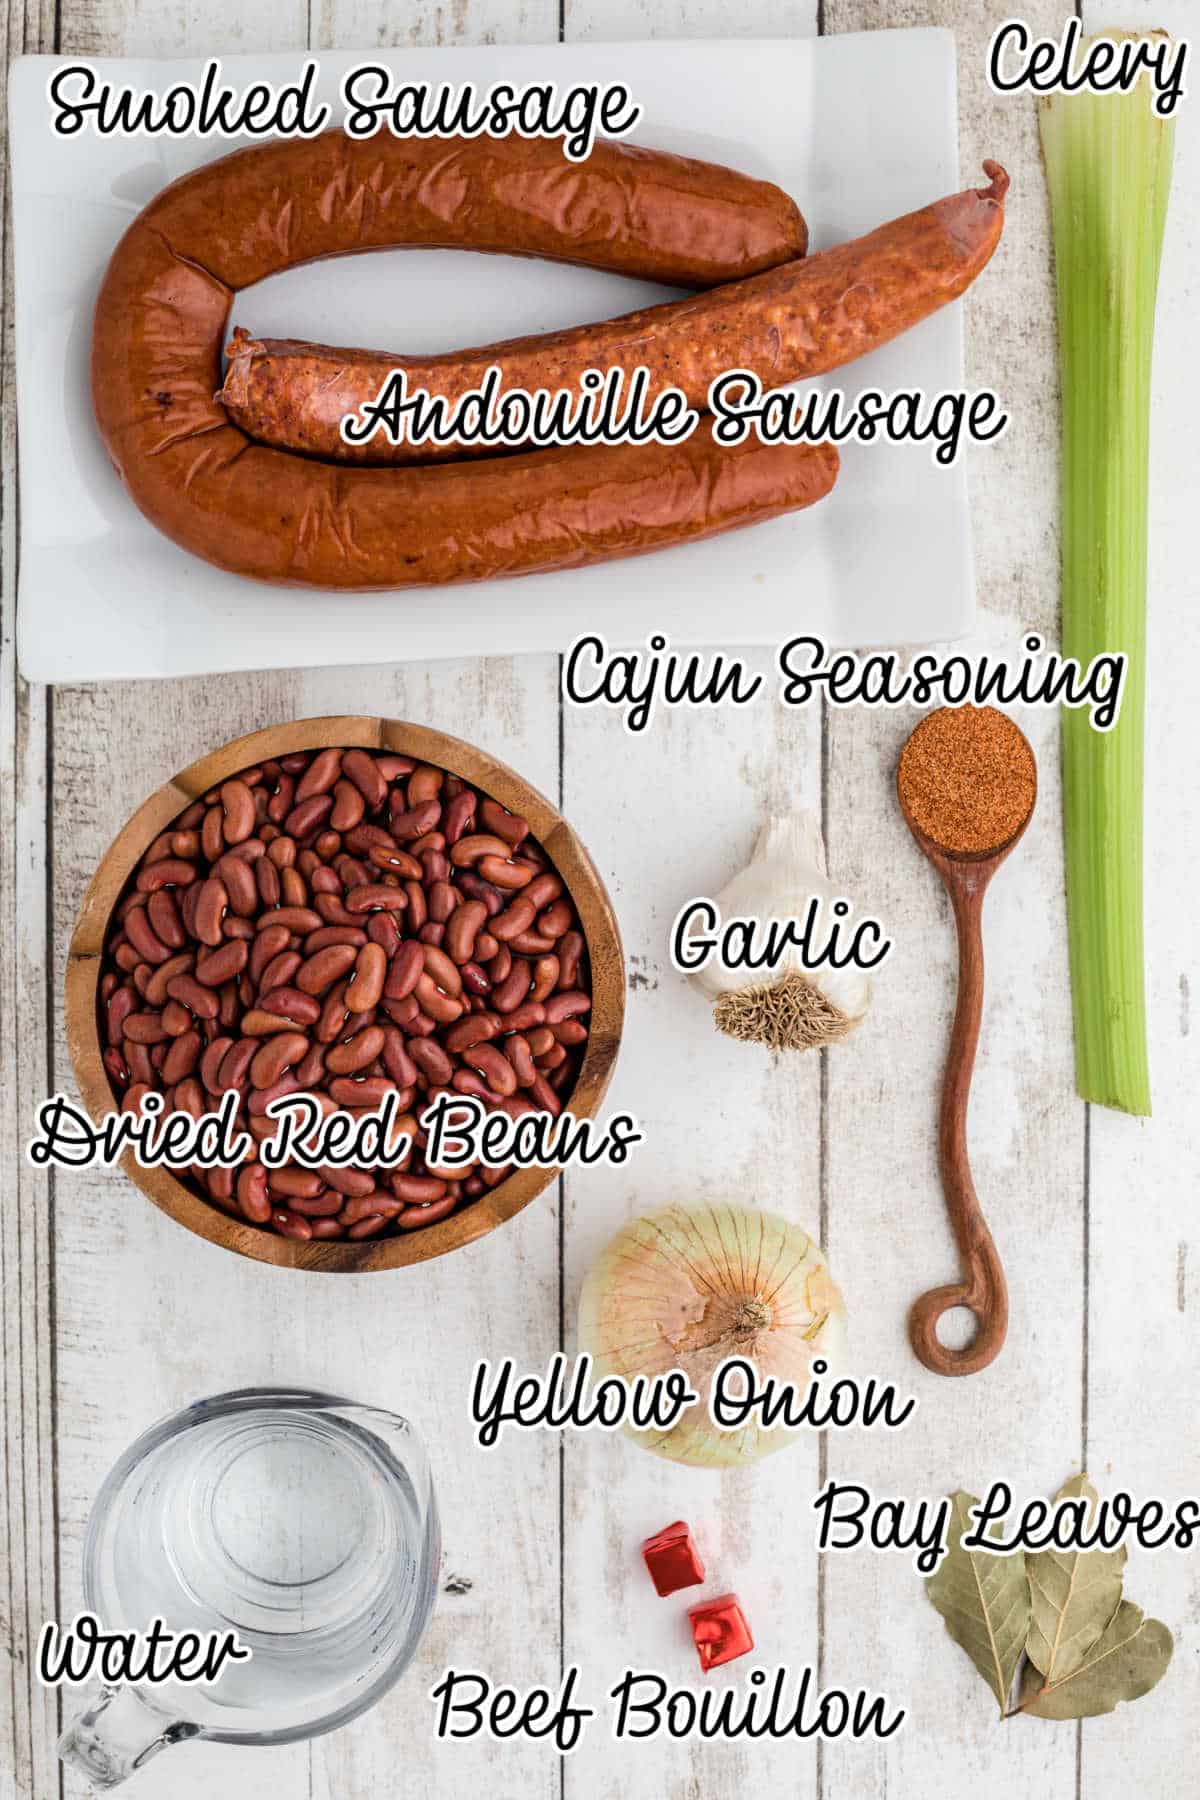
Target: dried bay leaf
[1129,1660]
[1075,1596]
[984,1601]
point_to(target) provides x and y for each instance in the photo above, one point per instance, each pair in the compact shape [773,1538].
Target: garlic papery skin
[687,1289]
[787,1007]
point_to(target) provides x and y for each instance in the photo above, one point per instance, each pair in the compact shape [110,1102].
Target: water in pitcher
[300,1522]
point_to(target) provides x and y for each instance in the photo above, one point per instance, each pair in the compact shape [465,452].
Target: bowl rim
[570,861]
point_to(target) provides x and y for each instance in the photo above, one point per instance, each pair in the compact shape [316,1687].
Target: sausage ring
[163,309]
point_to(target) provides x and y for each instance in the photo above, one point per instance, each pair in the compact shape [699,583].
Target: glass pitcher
[302,1522]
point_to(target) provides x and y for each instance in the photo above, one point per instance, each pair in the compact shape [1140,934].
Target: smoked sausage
[788,324]
[163,310]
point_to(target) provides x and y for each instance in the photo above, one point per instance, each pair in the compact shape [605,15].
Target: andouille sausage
[163,310]
[787,324]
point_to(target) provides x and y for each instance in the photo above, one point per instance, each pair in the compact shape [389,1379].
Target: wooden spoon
[969,751]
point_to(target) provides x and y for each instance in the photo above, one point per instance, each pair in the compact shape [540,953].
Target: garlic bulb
[684,1289]
[791,1008]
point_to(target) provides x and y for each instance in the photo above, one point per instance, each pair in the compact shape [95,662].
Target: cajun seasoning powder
[967,779]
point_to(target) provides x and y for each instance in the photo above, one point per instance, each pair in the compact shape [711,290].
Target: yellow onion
[688,1288]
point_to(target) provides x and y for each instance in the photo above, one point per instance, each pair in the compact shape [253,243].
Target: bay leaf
[1075,1595]
[984,1601]
[1129,1660]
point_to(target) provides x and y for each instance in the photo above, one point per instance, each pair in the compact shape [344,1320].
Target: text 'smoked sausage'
[787,324]
[163,310]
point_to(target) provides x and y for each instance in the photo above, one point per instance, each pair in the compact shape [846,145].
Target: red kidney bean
[394,861]
[237,803]
[519,1054]
[383,930]
[567,1006]
[350,925]
[367,775]
[370,895]
[504,874]
[348,1058]
[308,816]
[478,1028]
[163,915]
[326,935]
[169,872]
[211,1060]
[176,1019]
[414,822]
[545,977]
[463,926]
[311,1069]
[220,966]
[291,1225]
[144,938]
[321,1206]
[318,974]
[365,986]
[442,1008]
[474,980]
[495,1068]
[501,823]
[544,1097]
[517,917]
[570,955]
[431,1059]
[396,1060]
[252,1196]
[211,905]
[267,945]
[280,971]
[555,919]
[530,1013]
[320,774]
[279,1052]
[146,1028]
[122,1003]
[368,1091]
[290,1003]
[531,943]
[459,814]
[182,1057]
[267,881]
[259,1024]
[508,994]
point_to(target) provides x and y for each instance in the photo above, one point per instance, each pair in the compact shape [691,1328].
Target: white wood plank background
[112,1318]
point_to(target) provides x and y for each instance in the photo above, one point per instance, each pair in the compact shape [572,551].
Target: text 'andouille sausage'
[163,310]
[787,324]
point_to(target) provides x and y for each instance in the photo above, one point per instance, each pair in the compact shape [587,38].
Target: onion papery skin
[688,1287]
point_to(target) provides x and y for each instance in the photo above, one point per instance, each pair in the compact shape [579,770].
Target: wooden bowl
[571,863]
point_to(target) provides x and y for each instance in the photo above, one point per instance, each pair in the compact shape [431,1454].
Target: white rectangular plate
[858,129]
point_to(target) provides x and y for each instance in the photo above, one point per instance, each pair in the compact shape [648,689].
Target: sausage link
[788,324]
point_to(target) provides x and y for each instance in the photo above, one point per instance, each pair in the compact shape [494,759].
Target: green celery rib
[1108,163]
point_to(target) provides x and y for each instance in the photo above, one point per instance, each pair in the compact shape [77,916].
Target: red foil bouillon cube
[672,1558]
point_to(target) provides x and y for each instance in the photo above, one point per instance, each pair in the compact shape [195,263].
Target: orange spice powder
[967,779]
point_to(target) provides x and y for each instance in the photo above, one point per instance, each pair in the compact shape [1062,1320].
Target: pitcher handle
[116,1734]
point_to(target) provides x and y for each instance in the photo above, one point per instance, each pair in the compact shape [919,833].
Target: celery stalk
[1108,164]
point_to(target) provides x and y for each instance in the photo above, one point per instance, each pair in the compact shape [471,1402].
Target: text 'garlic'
[791,1006]
[689,1288]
